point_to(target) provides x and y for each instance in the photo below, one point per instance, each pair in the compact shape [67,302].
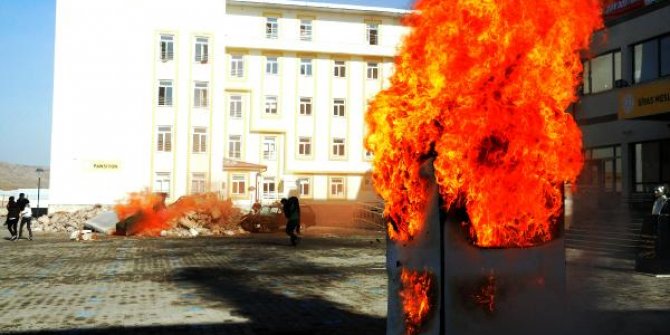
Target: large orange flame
[152,216]
[482,86]
[416,296]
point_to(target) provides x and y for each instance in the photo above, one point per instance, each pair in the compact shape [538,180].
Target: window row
[239,186]
[201,47]
[163,182]
[272,67]
[200,93]
[304,106]
[650,60]
[306,28]
[305,146]
[198,139]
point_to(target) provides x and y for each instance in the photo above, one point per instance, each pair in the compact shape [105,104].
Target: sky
[26,76]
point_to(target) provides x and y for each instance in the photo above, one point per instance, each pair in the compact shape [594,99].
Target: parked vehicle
[271,219]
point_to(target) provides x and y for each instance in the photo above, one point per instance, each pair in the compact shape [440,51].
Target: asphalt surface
[334,282]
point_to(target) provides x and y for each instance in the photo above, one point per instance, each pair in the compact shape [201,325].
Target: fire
[486,294]
[482,87]
[416,295]
[152,216]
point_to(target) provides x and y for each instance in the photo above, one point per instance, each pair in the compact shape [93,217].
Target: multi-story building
[624,111]
[247,98]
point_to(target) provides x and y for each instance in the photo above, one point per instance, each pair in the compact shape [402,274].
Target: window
[340,69]
[199,139]
[165,93]
[305,146]
[337,187]
[200,94]
[269,188]
[269,148]
[236,66]
[305,189]
[271,27]
[164,141]
[271,104]
[372,33]
[201,50]
[197,183]
[651,165]
[239,184]
[167,48]
[235,146]
[162,183]
[305,30]
[305,67]
[306,106]
[338,107]
[271,65]
[373,71]
[602,169]
[368,155]
[338,147]
[603,72]
[651,59]
[236,106]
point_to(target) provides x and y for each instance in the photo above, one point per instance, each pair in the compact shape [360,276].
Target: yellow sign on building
[645,100]
[101,166]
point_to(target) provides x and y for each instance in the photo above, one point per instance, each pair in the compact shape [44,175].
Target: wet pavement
[334,282]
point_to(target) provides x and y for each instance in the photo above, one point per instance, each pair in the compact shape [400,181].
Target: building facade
[624,110]
[251,99]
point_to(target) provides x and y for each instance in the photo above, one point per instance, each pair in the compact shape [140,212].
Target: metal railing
[370,214]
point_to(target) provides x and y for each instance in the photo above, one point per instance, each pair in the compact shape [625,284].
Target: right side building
[624,108]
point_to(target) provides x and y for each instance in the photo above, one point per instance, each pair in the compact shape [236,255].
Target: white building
[242,97]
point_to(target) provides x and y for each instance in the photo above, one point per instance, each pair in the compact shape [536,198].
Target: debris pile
[65,221]
[204,214]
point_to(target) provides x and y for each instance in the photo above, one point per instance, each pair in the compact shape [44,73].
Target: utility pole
[39,184]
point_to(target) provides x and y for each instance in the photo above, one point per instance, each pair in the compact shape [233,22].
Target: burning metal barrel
[471,147]
[440,283]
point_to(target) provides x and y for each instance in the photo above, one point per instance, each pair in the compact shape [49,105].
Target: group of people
[18,210]
[291,209]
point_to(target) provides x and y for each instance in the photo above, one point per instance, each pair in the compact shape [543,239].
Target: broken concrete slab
[104,222]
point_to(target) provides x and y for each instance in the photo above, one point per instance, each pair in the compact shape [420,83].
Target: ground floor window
[238,185]
[602,169]
[269,188]
[651,165]
[305,188]
[337,188]
[197,183]
[162,183]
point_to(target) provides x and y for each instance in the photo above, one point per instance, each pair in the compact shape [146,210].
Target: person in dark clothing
[12,217]
[22,202]
[291,210]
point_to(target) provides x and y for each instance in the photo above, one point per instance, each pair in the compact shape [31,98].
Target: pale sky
[26,76]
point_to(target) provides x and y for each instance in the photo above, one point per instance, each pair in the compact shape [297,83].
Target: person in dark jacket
[12,217]
[291,209]
[22,202]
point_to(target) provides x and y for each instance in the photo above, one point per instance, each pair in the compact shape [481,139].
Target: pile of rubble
[65,221]
[194,224]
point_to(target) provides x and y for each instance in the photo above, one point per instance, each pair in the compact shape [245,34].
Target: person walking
[22,201]
[12,218]
[291,210]
[26,217]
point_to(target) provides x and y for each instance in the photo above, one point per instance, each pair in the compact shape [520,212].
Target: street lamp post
[39,184]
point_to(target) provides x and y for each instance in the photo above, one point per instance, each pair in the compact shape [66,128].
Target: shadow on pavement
[267,312]
[638,322]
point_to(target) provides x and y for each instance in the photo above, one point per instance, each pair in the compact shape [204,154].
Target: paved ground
[260,285]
